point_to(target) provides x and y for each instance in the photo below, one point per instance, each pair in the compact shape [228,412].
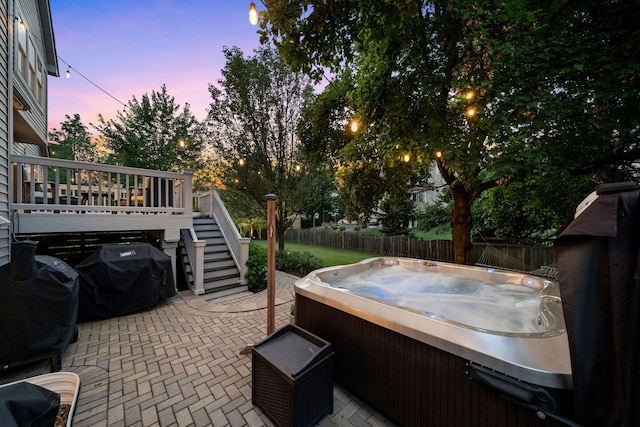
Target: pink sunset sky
[131,48]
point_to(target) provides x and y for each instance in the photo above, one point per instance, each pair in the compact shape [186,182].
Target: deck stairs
[221,275]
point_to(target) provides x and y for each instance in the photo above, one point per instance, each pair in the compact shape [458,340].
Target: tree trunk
[461,225]
[280,240]
[282,224]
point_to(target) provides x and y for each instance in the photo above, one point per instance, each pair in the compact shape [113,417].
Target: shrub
[436,215]
[256,275]
[298,263]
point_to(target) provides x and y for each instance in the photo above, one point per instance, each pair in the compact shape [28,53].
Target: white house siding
[429,195]
[25,149]
[36,117]
[5,104]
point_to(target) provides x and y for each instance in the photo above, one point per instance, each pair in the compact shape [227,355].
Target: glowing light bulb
[68,73]
[253,14]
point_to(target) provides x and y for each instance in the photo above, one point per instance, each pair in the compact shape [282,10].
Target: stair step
[203,220]
[217,256]
[212,249]
[220,271]
[225,282]
[222,292]
[214,241]
[223,257]
[212,227]
[220,275]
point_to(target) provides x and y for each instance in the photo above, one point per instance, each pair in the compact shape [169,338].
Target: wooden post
[271,262]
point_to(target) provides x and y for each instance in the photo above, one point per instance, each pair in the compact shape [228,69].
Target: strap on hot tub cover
[598,268]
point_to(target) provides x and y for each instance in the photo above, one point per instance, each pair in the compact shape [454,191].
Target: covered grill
[39,307]
[122,279]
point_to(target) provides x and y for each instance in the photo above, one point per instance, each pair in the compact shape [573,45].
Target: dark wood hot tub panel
[412,382]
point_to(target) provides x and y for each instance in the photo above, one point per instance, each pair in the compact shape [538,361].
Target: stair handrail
[211,204]
[195,254]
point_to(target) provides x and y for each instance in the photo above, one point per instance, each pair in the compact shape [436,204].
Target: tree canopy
[252,123]
[493,92]
[73,141]
[153,133]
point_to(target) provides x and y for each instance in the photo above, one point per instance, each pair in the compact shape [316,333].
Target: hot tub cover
[599,274]
[122,279]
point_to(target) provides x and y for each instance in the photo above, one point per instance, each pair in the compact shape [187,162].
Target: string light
[68,74]
[253,14]
[69,67]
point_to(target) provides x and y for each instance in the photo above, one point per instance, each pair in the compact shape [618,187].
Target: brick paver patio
[181,364]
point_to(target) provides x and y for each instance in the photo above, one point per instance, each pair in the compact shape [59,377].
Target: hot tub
[432,343]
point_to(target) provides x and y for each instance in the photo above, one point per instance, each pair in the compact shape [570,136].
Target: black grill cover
[38,316]
[26,404]
[122,279]
[599,276]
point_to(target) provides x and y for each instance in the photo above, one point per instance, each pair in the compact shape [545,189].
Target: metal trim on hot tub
[535,358]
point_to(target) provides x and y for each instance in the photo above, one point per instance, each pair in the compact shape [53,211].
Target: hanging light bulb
[253,14]
[68,73]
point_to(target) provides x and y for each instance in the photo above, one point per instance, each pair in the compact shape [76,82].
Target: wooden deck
[52,195]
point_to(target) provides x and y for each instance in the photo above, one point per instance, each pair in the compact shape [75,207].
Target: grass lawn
[329,256]
[438,233]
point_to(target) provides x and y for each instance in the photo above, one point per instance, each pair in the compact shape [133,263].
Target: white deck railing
[43,184]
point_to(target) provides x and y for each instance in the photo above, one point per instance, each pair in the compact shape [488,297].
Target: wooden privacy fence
[489,253]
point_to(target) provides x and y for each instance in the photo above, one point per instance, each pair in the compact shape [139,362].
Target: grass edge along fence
[497,253]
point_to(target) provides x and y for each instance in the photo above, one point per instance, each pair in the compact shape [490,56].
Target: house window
[29,64]
[22,60]
[31,77]
[22,50]
[40,81]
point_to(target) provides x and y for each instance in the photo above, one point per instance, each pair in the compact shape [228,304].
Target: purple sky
[130,48]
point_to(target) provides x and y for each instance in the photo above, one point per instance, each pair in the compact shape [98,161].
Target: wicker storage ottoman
[292,377]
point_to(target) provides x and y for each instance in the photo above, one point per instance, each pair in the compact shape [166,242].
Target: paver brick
[179,364]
